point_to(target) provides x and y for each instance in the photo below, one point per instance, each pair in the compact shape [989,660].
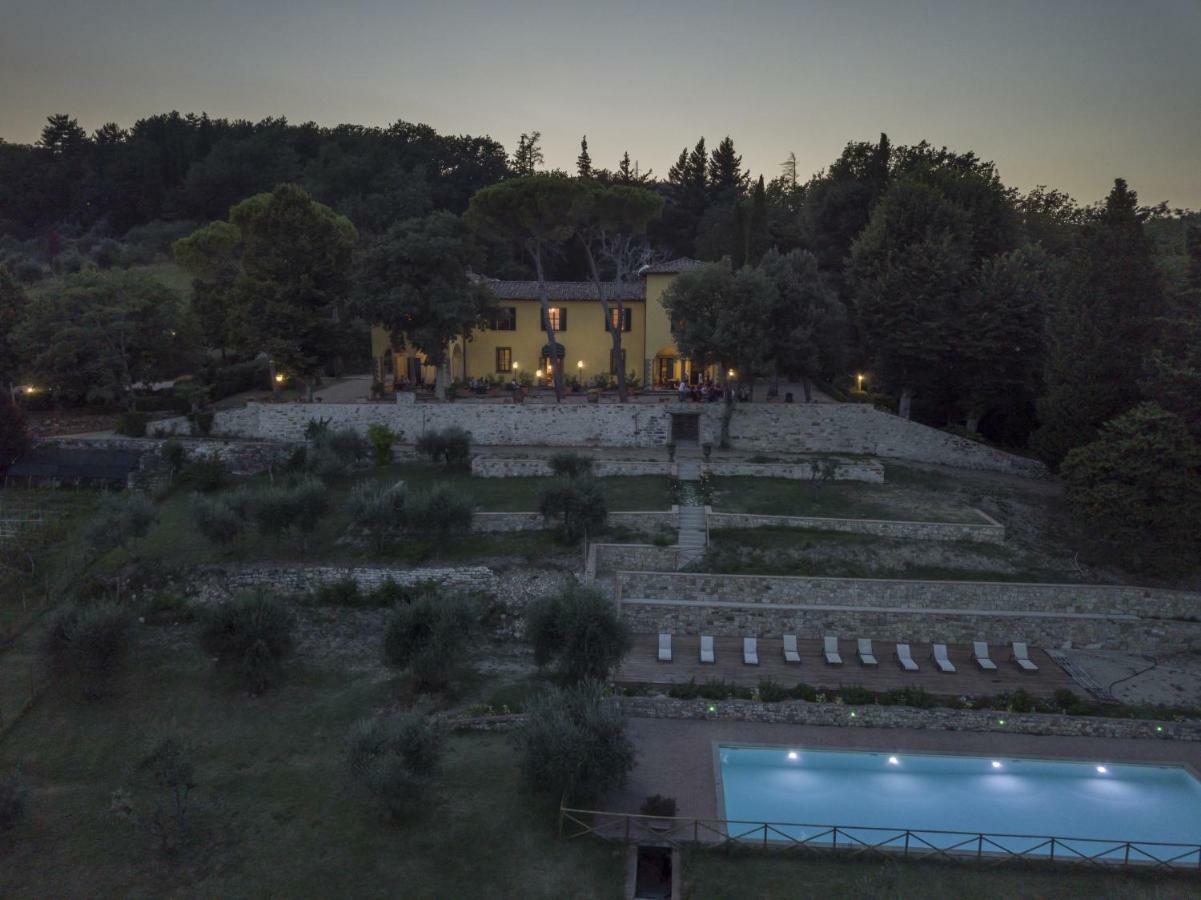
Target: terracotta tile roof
[561,290]
[683,264]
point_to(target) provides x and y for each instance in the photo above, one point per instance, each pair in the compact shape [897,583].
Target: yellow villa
[515,341]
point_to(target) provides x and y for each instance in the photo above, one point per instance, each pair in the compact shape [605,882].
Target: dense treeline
[1027,320]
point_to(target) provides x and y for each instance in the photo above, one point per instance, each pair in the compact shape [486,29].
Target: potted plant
[707,449]
[663,808]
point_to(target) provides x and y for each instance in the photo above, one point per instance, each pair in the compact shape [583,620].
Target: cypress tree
[583,162]
[757,235]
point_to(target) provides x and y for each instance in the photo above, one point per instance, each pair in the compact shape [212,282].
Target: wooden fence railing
[908,843]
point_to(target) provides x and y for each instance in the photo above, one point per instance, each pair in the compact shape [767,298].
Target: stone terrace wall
[241,456]
[305,579]
[760,427]
[486,466]
[895,593]
[798,712]
[951,626]
[647,520]
[603,558]
[989,532]
[869,470]
[1047,615]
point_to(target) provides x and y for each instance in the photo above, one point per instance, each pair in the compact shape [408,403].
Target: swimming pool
[876,797]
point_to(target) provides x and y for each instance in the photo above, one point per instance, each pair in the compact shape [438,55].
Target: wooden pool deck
[641,666]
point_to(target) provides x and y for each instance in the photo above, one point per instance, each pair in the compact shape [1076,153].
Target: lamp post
[859,382]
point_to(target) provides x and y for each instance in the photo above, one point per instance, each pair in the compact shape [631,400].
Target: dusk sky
[1069,93]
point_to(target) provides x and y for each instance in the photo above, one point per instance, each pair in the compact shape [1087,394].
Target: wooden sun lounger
[980,655]
[833,658]
[750,651]
[939,655]
[866,656]
[905,658]
[1021,656]
[791,654]
[707,648]
[664,648]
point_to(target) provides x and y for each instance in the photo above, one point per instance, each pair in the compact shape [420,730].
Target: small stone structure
[645,520]
[792,428]
[799,712]
[605,558]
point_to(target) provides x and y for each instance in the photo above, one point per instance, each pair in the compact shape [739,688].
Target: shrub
[772,691]
[857,695]
[216,520]
[118,520]
[174,455]
[207,473]
[427,637]
[908,696]
[439,511]
[579,631]
[168,775]
[570,464]
[346,443]
[804,692]
[392,593]
[89,643]
[332,452]
[574,745]
[379,513]
[14,797]
[1068,701]
[397,758]
[451,446]
[343,592]
[381,438]
[577,503]
[131,424]
[299,508]
[658,805]
[202,422]
[252,631]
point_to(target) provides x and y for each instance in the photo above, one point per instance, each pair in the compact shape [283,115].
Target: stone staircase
[693,532]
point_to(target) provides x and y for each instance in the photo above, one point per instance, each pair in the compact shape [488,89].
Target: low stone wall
[868,470]
[305,579]
[798,712]
[792,428]
[984,532]
[886,593]
[487,466]
[604,558]
[646,520]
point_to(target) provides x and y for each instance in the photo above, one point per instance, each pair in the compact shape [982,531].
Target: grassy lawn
[718,876]
[520,494]
[842,499]
[287,821]
[798,551]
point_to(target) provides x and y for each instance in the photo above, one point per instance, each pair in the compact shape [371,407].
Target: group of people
[706,391]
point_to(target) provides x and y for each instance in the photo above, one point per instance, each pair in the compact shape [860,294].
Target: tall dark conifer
[583,162]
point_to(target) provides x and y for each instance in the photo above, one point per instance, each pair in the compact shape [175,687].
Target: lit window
[557,317]
[504,359]
[625,316]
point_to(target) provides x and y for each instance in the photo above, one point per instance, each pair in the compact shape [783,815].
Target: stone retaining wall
[897,593]
[604,558]
[486,466]
[985,532]
[798,712]
[242,457]
[795,428]
[305,579]
[1047,615]
[647,520]
[951,626]
[868,470]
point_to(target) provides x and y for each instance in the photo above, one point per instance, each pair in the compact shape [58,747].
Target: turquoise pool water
[1092,802]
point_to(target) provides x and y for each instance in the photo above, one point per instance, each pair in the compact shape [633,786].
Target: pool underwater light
[995,764]
[1102,769]
[792,754]
[892,760]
